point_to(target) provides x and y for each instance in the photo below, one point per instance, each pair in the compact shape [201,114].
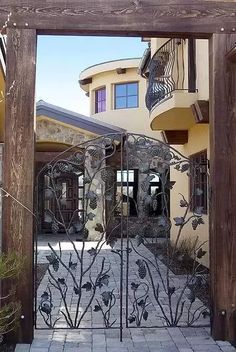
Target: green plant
[11,265]
[184,253]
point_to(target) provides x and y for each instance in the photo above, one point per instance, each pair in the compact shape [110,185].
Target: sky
[61,59]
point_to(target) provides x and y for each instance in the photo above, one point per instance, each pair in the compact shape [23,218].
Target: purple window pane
[103,94]
[103,105]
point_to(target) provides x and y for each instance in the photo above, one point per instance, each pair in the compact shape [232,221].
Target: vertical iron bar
[191,65]
[35,240]
[127,235]
[121,244]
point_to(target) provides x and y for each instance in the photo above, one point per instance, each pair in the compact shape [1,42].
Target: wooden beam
[231,55]
[143,18]
[175,137]
[85,81]
[200,110]
[121,71]
[223,188]
[18,171]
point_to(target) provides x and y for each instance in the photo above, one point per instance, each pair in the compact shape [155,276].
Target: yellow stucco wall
[134,119]
[198,141]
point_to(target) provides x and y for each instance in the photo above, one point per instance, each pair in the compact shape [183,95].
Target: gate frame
[211,19]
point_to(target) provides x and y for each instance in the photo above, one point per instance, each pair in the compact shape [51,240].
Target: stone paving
[135,339]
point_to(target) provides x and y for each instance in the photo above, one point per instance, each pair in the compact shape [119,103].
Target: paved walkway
[135,339]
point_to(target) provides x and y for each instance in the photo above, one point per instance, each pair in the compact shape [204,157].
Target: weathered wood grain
[18,171]
[223,186]
[123,17]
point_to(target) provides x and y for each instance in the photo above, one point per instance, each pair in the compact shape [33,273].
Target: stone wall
[49,131]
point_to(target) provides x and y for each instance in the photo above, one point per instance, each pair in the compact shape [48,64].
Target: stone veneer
[49,131]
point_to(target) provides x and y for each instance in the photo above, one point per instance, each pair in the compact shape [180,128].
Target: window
[129,181]
[126,95]
[198,181]
[100,100]
[155,208]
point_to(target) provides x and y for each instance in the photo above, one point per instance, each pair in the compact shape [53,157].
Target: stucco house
[163,95]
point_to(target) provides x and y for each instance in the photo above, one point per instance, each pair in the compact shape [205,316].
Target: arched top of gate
[130,149]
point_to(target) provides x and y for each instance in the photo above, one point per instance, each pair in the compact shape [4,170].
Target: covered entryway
[209,19]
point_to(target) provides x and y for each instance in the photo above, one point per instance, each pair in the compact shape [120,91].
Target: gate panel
[155,296]
[109,254]
[82,287]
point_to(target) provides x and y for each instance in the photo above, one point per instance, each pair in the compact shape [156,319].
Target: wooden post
[18,170]
[223,187]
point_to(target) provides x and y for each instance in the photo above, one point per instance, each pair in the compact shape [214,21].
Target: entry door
[68,193]
[70,196]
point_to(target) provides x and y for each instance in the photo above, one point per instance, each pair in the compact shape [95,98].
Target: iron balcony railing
[167,72]
[3,52]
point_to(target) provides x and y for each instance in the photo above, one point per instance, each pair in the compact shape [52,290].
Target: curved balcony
[171,86]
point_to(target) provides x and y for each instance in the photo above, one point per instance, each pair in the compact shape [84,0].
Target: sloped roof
[74,119]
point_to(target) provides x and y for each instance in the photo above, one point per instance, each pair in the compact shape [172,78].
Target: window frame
[126,96]
[96,101]
[127,184]
[201,182]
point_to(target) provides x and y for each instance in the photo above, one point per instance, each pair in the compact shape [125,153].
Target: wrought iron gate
[108,253]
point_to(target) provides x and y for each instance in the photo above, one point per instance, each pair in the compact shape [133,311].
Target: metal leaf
[191,296]
[61,281]
[50,258]
[171,290]
[196,222]
[55,264]
[86,180]
[206,314]
[170,184]
[92,251]
[201,253]
[179,221]
[72,265]
[91,195]
[46,308]
[93,203]
[145,315]
[76,290]
[104,280]
[134,286]
[97,308]
[185,167]
[141,303]
[87,286]
[99,228]
[139,240]
[45,295]
[111,242]
[94,152]
[106,297]
[142,271]
[131,319]
[91,216]
[183,203]
[107,175]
